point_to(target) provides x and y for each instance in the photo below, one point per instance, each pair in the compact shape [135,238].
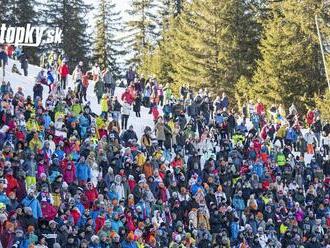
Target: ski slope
[27,83]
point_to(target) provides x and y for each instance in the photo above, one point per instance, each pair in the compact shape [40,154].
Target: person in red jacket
[310,117]
[12,184]
[64,72]
[177,162]
[128,97]
[260,108]
[91,193]
[9,50]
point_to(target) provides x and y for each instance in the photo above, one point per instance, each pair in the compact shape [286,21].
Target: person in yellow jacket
[35,143]
[57,198]
[140,159]
[104,105]
[283,229]
[158,154]
[280,134]
[32,124]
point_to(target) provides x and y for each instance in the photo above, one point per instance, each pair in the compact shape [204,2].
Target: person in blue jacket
[291,136]
[234,229]
[259,169]
[116,223]
[83,172]
[33,203]
[238,202]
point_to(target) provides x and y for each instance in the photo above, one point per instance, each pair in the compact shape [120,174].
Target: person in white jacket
[77,77]
[310,139]
[96,72]
[125,113]
[119,187]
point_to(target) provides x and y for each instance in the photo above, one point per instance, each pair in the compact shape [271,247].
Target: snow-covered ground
[28,82]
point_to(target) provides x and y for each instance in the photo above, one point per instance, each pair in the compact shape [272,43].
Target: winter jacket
[83,172]
[34,204]
[291,135]
[128,97]
[310,138]
[104,104]
[234,230]
[160,131]
[281,160]
[37,91]
[126,109]
[64,70]
[3,198]
[238,203]
[29,167]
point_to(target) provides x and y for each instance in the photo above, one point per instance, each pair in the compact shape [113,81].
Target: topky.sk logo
[29,36]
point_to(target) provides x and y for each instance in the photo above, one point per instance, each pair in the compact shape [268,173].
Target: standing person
[184,91]
[137,105]
[127,96]
[42,78]
[84,87]
[99,88]
[96,72]
[64,72]
[37,91]
[146,96]
[161,95]
[125,112]
[104,106]
[160,131]
[50,78]
[109,82]
[24,63]
[81,66]
[9,50]
[77,78]
[115,108]
[130,75]
[310,140]
[43,60]
[3,60]
[31,202]
[168,92]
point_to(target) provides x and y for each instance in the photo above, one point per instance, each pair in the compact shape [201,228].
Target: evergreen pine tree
[141,29]
[290,67]
[215,43]
[70,16]
[323,104]
[158,61]
[5,11]
[22,13]
[107,47]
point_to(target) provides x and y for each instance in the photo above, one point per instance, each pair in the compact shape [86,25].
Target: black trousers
[124,121]
[63,83]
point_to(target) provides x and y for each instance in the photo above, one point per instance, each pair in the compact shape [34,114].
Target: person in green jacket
[280,159]
[168,92]
[76,108]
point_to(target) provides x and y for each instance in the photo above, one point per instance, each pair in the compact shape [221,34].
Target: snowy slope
[27,84]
